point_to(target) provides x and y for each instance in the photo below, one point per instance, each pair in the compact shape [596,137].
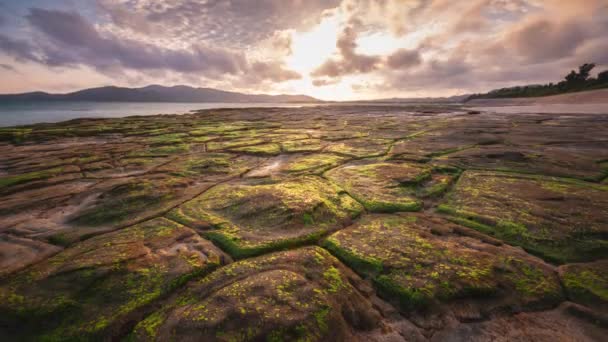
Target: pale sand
[584,97]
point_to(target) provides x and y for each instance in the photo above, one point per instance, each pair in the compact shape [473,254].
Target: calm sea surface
[14,114]
[37,112]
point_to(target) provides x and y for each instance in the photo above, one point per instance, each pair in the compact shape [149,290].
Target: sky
[329,49]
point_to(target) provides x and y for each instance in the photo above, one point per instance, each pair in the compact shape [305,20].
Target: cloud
[231,23]
[386,46]
[8,67]
[349,61]
[540,39]
[320,82]
[403,58]
[76,41]
[67,39]
[19,49]
[273,71]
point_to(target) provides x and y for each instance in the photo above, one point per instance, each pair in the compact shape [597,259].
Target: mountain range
[154,93]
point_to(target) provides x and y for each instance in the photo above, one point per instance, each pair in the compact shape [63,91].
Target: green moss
[586,284]
[314,162]
[240,249]
[502,205]
[382,187]
[29,177]
[86,289]
[15,135]
[333,276]
[308,219]
[254,217]
[151,324]
[321,319]
[168,139]
[264,149]
[305,145]
[449,151]
[378,206]
[360,263]
[408,298]
[516,234]
[59,239]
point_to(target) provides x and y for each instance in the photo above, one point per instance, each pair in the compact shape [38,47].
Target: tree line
[573,82]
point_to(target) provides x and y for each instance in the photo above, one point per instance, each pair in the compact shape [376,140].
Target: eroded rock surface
[347,223]
[94,288]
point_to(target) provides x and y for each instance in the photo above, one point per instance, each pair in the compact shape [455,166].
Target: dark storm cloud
[230,23]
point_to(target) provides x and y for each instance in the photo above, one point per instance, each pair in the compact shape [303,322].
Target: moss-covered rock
[416,268]
[587,283]
[304,145]
[382,186]
[256,216]
[314,163]
[98,286]
[262,149]
[129,200]
[304,295]
[360,147]
[560,220]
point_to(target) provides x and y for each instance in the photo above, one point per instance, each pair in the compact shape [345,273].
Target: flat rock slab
[17,253]
[587,283]
[255,216]
[561,220]
[414,266]
[97,286]
[304,294]
[580,160]
[383,186]
[111,229]
[545,326]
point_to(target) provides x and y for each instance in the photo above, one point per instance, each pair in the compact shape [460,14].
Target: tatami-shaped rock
[572,160]
[560,220]
[303,294]
[389,186]
[417,261]
[96,287]
[587,283]
[255,216]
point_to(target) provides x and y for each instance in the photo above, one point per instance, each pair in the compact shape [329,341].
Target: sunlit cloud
[340,49]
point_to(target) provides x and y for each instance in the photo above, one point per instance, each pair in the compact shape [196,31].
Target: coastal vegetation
[575,81]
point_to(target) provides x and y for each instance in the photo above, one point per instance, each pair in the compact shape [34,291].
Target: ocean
[24,113]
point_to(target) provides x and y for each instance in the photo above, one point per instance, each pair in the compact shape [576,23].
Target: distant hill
[154,93]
